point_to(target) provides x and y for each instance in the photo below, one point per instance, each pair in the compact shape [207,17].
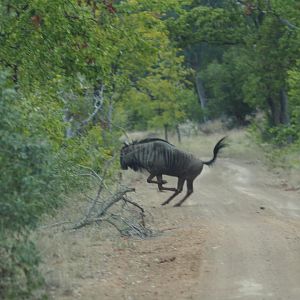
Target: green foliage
[29,184]
[90,150]
[162,98]
[224,82]
[278,150]
[19,275]
[294,95]
[211,25]
[77,72]
[282,135]
[253,65]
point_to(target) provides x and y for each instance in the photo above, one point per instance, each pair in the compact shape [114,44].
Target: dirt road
[247,242]
[252,248]
[236,237]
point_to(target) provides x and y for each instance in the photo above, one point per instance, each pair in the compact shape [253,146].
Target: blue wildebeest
[159,157]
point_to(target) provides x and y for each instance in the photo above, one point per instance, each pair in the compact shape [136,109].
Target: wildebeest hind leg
[189,192]
[177,191]
[160,185]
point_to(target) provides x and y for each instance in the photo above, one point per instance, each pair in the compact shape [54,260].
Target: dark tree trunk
[200,92]
[166,131]
[68,119]
[284,114]
[178,133]
[275,111]
[15,74]
[195,61]
[110,115]
[279,109]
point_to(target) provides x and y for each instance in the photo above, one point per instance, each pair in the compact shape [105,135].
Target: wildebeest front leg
[189,192]
[177,191]
[159,179]
[160,183]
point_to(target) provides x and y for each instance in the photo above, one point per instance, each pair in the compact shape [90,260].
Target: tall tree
[267,30]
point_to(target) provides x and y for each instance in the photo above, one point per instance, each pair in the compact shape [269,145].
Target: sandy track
[252,249]
[237,237]
[251,234]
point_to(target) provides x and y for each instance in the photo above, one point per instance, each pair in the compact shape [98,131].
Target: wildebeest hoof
[177,205]
[164,181]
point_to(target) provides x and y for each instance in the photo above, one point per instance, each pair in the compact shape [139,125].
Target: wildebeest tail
[220,144]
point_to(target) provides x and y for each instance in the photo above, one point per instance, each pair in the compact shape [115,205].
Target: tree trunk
[110,114]
[284,114]
[201,94]
[178,133]
[68,119]
[279,109]
[166,131]
[275,111]
[196,60]
[15,74]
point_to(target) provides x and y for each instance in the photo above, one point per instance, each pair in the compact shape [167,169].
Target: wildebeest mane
[149,140]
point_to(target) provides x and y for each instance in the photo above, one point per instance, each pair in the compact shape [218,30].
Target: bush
[19,259]
[37,165]
[30,185]
[280,144]
[29,182]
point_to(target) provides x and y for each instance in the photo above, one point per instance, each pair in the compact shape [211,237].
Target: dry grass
[68,257]
[96,263]
[240,145]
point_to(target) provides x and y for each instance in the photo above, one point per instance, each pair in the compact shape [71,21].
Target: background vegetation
[74,74]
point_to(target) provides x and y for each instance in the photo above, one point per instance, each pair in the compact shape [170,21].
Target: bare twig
[271,11]
[55,224]
[115,198]
[112,205]
[109,203]
[133,203]
[136,205]
[100,189]
[98,104]
[137,230]
[93,173]
[114,225]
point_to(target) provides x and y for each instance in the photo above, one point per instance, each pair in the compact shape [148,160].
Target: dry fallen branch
[110,204]
[88,219]
[134,225]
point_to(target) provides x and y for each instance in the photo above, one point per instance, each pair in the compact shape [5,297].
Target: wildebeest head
[128,157]
[124,151]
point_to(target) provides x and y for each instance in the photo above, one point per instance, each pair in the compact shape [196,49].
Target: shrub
[30,185]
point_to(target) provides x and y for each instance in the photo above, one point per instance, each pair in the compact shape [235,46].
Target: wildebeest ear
[126,143]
